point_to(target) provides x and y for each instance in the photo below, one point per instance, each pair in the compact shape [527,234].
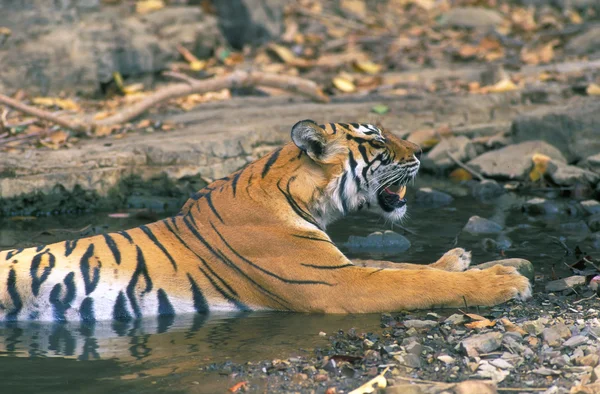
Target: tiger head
[365,167]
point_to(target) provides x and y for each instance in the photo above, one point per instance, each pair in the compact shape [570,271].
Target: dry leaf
[540,165]
[460,175]
[475,317]
[343,84]
[147,6]
[367,67]
[574,17]
[103,131]
[542,54]
[378,382]
[512,327]
[480,324]
[133,88]
[593,90]
[287,56]
[505,85]
[356,7]
[533,341]
[238,386]
[468,51]
[67,104]
[58,137]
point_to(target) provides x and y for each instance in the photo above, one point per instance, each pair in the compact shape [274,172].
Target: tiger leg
[455,260]
[366,289]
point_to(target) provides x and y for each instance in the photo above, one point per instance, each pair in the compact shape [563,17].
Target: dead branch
[237,79]
[466,167]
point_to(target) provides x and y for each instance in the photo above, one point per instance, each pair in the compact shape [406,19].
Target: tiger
[256,240]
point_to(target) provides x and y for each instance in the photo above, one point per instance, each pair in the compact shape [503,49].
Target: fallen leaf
[512,327]
[540,165]
[5,31]
[380,109]
[58,137]
[378,382]
[475,317]
[541,54]
[468,51]
[147,6]
[505,85]
[574,17]
[343,84]
[593,90]
[67,104]
[367,67]
[356,7]
[460,175]
[480,324]
[195,63]
[238,386]
[133,88]
[533,341]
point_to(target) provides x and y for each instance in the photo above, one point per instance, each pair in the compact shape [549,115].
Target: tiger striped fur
[255,240]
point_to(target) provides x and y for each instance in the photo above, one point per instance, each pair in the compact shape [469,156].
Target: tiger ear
[310,138]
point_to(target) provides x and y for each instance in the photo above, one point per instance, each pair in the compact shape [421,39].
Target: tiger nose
[418,152]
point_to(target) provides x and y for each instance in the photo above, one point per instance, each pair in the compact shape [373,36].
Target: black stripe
[125,235]
[294,205]
[86,309]
[223,257]
[11,253]
[212,207]
[284,280]
[70,247]
[200,303]
[373,142]
[353,165]
[90,281]
[60,306]
[156,242]
[37,280]
[355,125]
[238,304]
[327,267]
[344,125]
[342,193]
[140,270]
[236,178]
[112,245]
[40,248]
[120,311]
[15,298]
[164,305]
[270,162]
[312,238]
[333,127]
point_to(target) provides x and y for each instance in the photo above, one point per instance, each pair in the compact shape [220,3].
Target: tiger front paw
[455,260]
[499,284]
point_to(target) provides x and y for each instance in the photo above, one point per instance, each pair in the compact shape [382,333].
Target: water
[175,354]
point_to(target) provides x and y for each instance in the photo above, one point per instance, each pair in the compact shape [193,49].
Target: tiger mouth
[391,196]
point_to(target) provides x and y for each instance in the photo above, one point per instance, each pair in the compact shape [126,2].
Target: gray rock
[460,147]
[593,222]
[387,241]
[414,348]
[455,319]
[565,283]
[585,43]
[534,327]
[591,360]
[555,335]
[433,198]
[524,267]
[541,206]
[566,175]
[62,48]
[486,190]
[481,343]
[513,161]
[420,324]
[409,360]
[591,207]
[595,238]
[250,21]
[471,17]
[579,228]
[573,128]
[546,371]
[502,242]
[575,341]
[591,163]
[478,225]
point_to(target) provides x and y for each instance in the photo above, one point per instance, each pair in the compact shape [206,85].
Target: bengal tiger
[255,240]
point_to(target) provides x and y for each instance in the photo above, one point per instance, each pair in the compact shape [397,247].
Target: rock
[408,360]
[541,206]
[591,163]
[475,387]
[60,48]
[478,225]
[593,222]
[513,161]
[524,267]
[566,175]
[486,190]
[481,343]
[460,147]
[414,348]
[585,43]
[555,335]
[250,21]
[420,324]
[533,327]
[565,283]
[501,363]
[546,371]
[446,359]
[579,228]
[573,129]
[388,242]
[591,360]
[432,198]
[455,319]
[471,17]
[591,207]
[575,341]
[595,239]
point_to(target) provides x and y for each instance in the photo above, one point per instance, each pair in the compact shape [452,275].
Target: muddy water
[176,354]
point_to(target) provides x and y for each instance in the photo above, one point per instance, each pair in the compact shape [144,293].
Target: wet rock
[542,206]
[524,267]
[446,359]
[534,327]
[513,161]
[555,335]
[486,190]
[414,348]
[433,198]
[591,207]
[546,371]
[575,341]
[478,225]
[498,244]
[420,324]
[573,129]
[388,241]
[595,239]
[460,147]
[565,283]
[593,222]
[455,319]
[409,360]
[250,21]
[566,175]
[585,43]
[501,363]
[591,360]
[481,343]
[591,163]
[579,228]
[471,17]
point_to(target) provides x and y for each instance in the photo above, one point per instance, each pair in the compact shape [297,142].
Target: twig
[423,381]
[521,389]
[5,141]
[236,79]
[465,167]
[179,76]
[585,299]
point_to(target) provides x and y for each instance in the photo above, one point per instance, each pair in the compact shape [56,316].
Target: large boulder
[471,17]
[573,129]
[586,43]
[513,161]
[77,46]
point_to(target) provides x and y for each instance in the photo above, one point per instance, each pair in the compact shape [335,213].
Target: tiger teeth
[402,192]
